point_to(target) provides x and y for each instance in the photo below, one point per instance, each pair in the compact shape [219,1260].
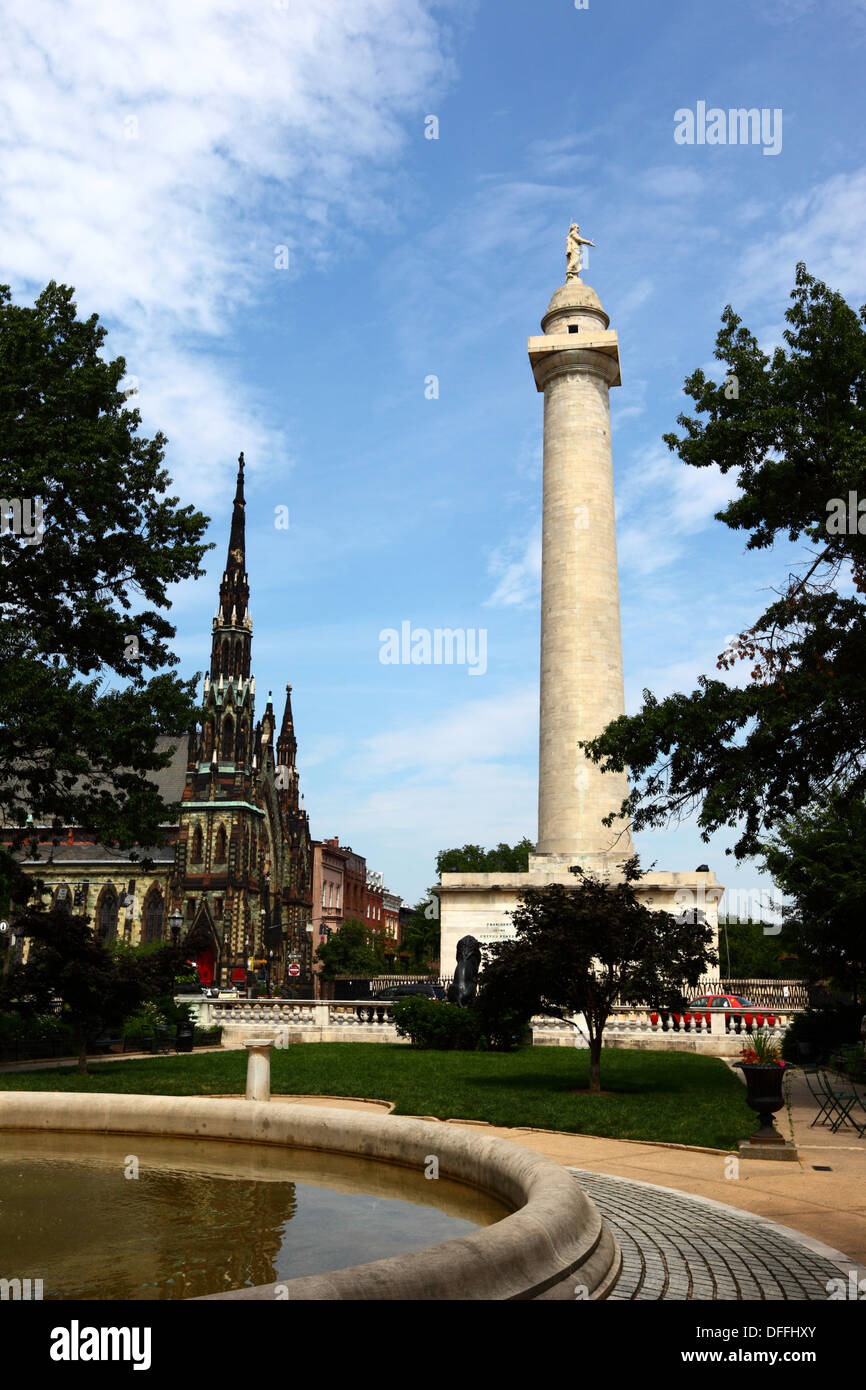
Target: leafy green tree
[472,859]
[818,858]
[755,953]
[353,950]
[420,935]
[98,988]
[791,428]
[581,950]
[84,647]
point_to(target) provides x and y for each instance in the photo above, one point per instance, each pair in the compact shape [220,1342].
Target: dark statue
[462,988]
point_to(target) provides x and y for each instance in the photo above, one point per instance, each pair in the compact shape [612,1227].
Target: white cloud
[517,568]
[481,730]
[154,156]
[662,502]
[826,228]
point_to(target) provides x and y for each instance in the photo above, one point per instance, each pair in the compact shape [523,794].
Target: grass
[671,1097]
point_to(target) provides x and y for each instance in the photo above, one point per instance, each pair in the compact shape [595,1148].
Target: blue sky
[157,157]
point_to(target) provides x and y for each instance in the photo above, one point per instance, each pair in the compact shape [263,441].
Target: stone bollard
[258,1068]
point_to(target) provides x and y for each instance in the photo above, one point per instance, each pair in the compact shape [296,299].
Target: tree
[581,950]
[792,427]
[818,858]
[83,586]
[472,859]
[420,935]
[352,950]
[755,953]
[96,987]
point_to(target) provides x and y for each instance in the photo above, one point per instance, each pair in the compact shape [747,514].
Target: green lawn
[676,1097]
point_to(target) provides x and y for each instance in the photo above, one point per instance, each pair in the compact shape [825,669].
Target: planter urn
[764,1095]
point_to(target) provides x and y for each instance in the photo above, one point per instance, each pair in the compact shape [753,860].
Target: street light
[175,922]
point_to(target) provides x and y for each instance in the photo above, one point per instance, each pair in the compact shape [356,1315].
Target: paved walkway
[677,1247]
[702,1224]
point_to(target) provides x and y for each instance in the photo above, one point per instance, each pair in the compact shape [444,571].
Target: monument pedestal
[480,905]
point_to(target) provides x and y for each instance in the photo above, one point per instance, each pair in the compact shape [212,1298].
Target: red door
[204,964]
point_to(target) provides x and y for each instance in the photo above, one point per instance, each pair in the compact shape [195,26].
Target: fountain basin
[554,1245]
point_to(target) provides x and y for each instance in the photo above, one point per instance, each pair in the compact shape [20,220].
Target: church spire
[287,751]
[237,539]
[232,625]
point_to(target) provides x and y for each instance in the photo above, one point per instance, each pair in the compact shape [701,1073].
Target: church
[232,880]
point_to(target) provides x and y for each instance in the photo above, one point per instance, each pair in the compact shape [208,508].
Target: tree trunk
[595,1064]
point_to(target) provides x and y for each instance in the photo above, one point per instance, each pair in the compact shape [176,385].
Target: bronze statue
[462,988]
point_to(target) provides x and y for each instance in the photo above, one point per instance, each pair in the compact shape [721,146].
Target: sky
[321,231]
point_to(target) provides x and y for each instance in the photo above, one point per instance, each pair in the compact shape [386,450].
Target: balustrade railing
[351,1015]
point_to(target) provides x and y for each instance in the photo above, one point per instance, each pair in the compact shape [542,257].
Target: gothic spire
[237,539]
[232,626]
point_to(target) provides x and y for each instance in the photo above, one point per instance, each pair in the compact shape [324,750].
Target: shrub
[431,1023]
[812,1036]
[37,1026]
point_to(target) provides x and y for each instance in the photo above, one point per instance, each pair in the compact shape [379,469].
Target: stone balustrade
[719,1031]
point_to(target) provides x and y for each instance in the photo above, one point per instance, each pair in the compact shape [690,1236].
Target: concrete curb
[554,1243]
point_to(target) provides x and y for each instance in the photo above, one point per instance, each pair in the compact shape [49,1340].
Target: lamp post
[175,922]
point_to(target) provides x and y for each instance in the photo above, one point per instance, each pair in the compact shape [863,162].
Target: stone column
[258,1068]
[575,363]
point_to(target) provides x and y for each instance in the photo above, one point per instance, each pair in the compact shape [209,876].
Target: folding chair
[826,1104]
[842,1103]
[860,1095]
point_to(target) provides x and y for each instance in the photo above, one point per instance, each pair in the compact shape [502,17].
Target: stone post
[258,1068]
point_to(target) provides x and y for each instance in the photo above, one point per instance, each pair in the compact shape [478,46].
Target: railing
[709,1022]
[294,1013]
[768,994]
[352,1015]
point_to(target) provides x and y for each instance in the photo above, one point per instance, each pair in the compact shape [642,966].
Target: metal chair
[817,1090]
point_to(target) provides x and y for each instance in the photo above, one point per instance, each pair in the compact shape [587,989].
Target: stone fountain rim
[554,1243]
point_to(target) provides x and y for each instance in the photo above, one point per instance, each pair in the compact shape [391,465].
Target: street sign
[294,969]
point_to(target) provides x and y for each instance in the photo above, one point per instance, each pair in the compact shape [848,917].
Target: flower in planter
[748,1022]
[761,1051]
[654,1018]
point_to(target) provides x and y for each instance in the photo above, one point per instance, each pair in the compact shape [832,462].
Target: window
[197,843]
[338,897]
[218,908]
[228,745]
[323,894]
[107,915]
[574,328]
[220,845]
[190,908]
[153,917]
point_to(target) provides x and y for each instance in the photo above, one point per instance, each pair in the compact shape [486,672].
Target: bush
[37,1026]
[814,1035]
[431,1023]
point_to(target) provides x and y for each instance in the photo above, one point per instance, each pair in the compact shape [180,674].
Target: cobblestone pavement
[680,1247]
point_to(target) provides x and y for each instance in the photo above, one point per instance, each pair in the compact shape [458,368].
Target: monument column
[575,362]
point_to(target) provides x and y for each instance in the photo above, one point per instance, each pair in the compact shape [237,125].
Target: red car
[734,1002]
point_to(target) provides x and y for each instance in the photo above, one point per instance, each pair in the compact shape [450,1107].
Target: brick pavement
[678,1247]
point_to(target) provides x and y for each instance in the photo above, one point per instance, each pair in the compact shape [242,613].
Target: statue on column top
[573,261]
